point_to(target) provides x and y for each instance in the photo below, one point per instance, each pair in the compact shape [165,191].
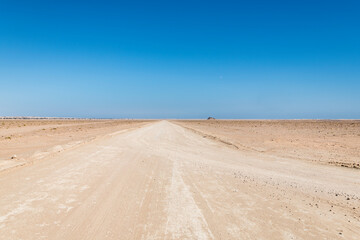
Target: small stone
[14,157]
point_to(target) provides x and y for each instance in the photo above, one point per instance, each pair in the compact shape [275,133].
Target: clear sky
[180,59]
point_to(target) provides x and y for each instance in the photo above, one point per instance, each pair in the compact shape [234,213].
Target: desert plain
[179,179]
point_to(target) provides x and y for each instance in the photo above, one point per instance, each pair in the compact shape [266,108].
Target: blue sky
[184,59]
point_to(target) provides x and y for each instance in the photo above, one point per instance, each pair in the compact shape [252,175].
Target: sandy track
[329,142]
[163,181]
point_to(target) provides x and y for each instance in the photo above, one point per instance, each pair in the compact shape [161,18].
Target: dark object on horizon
[210,118]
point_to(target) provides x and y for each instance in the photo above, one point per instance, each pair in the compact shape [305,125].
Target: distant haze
[189,59]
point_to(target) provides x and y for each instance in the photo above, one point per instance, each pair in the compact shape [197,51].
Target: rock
[13,157]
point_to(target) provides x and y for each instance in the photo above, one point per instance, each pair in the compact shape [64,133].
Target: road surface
[162,181]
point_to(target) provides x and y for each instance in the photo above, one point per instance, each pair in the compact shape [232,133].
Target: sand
[176,180]
[30,140]
[334,142]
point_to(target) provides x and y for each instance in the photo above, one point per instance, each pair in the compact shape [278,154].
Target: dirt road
[162,181]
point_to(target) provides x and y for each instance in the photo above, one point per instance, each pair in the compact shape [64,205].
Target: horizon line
[245,119]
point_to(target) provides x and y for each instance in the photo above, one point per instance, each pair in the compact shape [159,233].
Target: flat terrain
[334,142]
[30,140]
[172,180]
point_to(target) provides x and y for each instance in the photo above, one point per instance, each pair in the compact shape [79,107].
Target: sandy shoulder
[334,142]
